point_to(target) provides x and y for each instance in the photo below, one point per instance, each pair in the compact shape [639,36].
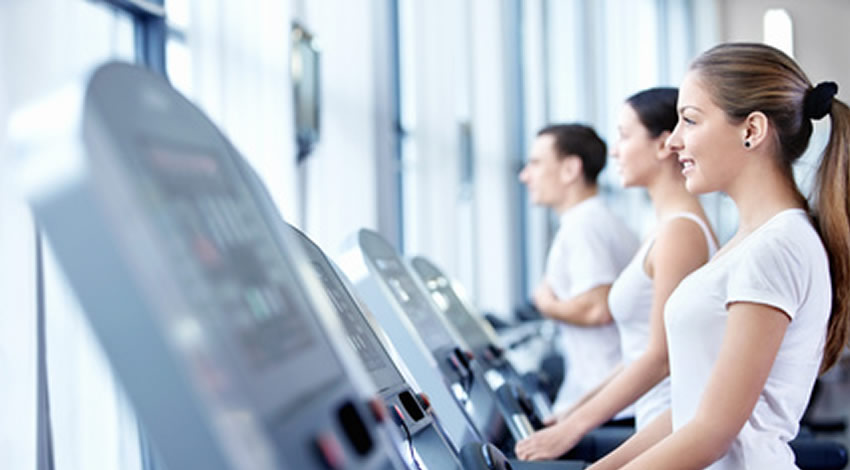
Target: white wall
[341,177]
[17,328]
[45,44]
[236,69]
[821,34]
[17,296]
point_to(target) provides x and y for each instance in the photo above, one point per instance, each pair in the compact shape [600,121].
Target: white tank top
[630,302]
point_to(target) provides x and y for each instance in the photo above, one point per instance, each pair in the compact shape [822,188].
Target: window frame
[150,30]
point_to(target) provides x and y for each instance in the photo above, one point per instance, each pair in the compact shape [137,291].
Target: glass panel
[231,59]
[177,14]
[47,44]
[179,65]
[407,106]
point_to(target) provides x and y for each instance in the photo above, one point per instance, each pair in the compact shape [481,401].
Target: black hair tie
[818,100]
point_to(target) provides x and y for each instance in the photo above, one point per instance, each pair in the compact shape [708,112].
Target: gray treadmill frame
[192,427]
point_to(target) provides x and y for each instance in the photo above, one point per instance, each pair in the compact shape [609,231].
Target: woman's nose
[674,141]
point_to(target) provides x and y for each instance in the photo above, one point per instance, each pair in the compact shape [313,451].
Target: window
[596,54]
[407,122]
[231,59]
[178,60]
[52,44]
[779,30]
[443,164]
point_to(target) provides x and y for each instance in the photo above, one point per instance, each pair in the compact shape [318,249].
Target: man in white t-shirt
[587,254]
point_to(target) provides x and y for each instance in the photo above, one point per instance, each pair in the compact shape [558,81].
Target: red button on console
[379,410]
[331,451]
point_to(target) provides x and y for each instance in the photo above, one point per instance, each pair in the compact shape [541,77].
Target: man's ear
[571,168]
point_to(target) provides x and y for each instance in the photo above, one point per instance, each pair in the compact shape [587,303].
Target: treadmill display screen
[459,316]
[414,303]
[224,253]
[360,334]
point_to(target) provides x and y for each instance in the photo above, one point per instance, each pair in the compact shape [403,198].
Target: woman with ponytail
[749,332]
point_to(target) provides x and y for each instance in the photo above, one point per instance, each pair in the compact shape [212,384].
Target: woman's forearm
[624,389]
[589,395]
[653,433]
[695,446]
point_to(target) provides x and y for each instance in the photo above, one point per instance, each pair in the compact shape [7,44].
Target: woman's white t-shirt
[782,264]
[630,302]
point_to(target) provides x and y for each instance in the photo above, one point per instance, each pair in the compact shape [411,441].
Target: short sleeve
[770,272]
[592,263]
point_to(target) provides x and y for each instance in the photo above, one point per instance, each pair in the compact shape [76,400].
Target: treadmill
[483,341]
[432,350]
[428,442]
[480,338]
[207,311]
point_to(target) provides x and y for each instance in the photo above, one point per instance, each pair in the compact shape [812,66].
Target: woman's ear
[754,129]
[662,150]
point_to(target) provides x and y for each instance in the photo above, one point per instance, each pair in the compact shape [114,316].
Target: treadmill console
[423,338]
[415,305]
[200,302]
[425,441]
[386,377]
[444,295]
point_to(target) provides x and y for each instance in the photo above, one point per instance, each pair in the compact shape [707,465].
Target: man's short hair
[581,141]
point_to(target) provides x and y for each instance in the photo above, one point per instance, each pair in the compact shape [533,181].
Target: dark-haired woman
[681,243]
